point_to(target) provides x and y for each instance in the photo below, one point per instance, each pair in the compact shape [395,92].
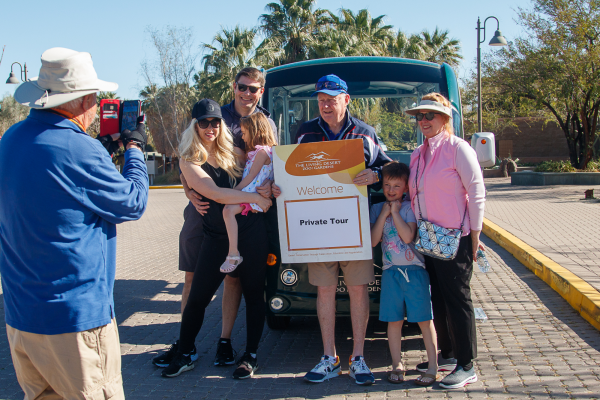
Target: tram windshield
[378,103]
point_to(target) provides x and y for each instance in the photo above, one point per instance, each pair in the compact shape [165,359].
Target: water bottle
[482,262]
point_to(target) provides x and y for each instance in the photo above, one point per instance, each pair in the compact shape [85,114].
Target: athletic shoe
[459,378]
[327,368]
[360,372]
[444,364]
[225,354]
[164,359]
[180,363]
[245,361]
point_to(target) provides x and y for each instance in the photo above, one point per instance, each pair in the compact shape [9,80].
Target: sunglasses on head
[329,85]
[204,123]
[428,116]
[242,88]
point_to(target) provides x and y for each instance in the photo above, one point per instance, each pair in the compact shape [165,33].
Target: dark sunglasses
[329,85]
[428,116]
[204,123]
[253,89]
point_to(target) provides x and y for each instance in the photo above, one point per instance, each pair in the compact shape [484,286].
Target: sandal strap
[234,260]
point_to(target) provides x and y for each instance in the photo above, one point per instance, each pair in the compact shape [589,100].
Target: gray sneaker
[459,378]
[444,364]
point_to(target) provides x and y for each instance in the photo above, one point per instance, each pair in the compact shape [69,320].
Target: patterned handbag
[433,240]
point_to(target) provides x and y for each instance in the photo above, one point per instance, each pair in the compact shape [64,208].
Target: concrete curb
[167,187]
[580,294]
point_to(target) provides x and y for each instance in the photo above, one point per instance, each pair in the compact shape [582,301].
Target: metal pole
[479,118]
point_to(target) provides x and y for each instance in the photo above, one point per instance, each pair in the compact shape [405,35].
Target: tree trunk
[572,146]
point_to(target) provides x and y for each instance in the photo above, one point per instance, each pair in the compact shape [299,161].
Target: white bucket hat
[65,75]
[431,106]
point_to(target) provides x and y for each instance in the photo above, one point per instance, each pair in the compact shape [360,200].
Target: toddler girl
[259,138]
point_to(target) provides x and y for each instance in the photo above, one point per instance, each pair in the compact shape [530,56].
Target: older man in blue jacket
[335,123]
[61,200]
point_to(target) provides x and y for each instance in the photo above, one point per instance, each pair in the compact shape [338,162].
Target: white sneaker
[360,372]
[327,368]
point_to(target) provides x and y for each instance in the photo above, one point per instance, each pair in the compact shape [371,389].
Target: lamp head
[498,40]
[12,79]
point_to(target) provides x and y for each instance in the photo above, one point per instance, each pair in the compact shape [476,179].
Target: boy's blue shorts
[402,297]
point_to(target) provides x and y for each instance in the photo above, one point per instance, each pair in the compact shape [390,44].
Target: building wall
[532,141]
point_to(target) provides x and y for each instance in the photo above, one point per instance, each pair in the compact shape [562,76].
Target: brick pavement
[553,220]
[534,345]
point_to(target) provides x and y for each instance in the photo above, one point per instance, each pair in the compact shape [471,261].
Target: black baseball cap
[206,108]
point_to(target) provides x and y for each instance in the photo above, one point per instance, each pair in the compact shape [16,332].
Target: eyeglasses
[204,123]
[428,116]
[329,85]
[253,89]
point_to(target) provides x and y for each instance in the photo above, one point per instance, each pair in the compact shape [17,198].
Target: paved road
[534,345]
[552,219]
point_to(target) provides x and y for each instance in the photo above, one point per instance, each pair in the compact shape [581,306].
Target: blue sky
[116,35]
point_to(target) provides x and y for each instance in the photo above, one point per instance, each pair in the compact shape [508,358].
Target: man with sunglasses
[336,123]
[248,88]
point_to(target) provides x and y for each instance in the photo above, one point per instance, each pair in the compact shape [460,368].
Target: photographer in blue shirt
[61,200]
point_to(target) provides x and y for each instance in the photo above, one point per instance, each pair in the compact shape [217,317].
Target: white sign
[323,215]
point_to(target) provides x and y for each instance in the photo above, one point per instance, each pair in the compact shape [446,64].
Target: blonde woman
[446,188]
[210,167]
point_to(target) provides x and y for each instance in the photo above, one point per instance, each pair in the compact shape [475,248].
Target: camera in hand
[117,117]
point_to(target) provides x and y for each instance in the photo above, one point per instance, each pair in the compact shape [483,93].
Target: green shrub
[555,166]
[593,166]
[170,178]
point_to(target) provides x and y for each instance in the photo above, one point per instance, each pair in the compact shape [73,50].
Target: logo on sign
[324,157]
[318,161]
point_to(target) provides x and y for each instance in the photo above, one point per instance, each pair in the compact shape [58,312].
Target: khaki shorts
[359,272]
[78,365]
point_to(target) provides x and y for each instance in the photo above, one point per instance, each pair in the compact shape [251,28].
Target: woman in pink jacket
[446,188]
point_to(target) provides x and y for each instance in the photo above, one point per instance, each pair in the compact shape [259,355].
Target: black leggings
[253,248]
[453,314]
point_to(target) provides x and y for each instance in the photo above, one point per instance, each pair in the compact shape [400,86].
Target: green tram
[380,88]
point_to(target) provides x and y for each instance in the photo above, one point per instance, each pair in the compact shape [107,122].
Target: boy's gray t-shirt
[395,251]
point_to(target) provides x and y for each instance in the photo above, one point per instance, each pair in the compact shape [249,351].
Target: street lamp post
[497,40]
[12,78]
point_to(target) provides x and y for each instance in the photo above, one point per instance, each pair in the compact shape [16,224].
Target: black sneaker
[164,359]
[180,363]
[225,355]
[245,361]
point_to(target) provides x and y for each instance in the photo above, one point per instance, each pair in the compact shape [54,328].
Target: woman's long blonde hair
[191,149]
[441,99]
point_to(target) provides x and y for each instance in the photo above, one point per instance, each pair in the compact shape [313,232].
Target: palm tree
[438,48]
[232,50]
[290,27]
[406,46]
[333,42]
[371,34]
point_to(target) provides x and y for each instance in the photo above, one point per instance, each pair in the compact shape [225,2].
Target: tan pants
[357,272]
[78,365]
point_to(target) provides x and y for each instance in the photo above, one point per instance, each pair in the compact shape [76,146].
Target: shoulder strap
[416,183]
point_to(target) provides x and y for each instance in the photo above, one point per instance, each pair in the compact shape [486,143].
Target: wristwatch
[377,177]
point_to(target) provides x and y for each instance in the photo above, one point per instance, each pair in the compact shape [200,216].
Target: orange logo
[325,157]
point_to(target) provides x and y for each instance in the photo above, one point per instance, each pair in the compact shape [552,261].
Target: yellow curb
[580,294]
[167,187]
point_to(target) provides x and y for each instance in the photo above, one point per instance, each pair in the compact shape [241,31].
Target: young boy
[404,282]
